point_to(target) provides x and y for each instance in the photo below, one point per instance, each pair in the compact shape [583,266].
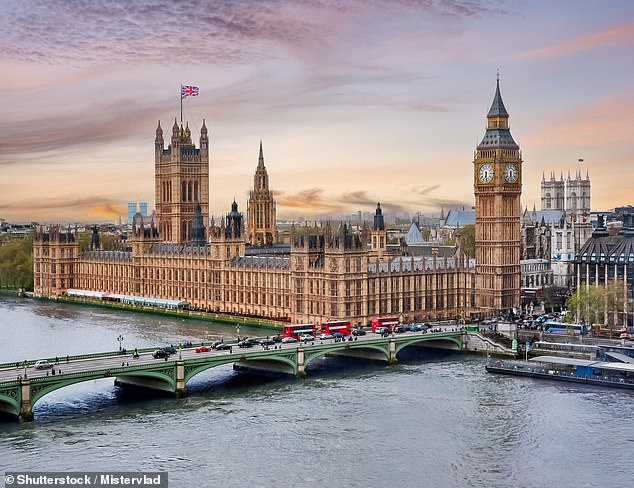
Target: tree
[598,304]
[586,304]
[16,264]
[467,240]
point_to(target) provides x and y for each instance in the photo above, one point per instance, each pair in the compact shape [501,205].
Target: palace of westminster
[327,272]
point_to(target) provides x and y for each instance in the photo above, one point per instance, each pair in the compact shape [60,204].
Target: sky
[355,101]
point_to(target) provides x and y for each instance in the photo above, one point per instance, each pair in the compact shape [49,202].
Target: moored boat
[612,374]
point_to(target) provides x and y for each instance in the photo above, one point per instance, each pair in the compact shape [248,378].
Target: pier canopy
[152,302]
[72,292]
[127,299]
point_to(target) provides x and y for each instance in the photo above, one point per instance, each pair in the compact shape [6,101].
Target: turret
[204,138]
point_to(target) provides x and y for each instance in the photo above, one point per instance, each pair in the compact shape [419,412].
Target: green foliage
[16,263]
[591,303]
[467,240]
[108,242]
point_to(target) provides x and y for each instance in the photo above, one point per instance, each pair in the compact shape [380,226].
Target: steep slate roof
[460,218]
[414,236]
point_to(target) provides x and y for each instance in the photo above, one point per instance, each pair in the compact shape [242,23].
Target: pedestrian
[47,373]
[56,360]
[67,358]
[59,371]
[123,364]
[230,350]
[127,364]
[53,372]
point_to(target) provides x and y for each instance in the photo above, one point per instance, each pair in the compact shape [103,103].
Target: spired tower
[181,174]
[552,193]
[378,233]
[261,227]
[497,185]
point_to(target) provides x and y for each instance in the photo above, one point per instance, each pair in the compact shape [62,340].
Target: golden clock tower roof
[498,134]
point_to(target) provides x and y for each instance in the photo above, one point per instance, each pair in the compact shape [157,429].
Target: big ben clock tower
[497,185]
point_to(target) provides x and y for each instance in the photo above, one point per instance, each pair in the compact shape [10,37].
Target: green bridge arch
[288,358]
[40,389]
[412,340]
[310,355]
[10,398]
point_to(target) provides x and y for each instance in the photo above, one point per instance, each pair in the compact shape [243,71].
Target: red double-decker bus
[388,322]
[344,327]
[297,330]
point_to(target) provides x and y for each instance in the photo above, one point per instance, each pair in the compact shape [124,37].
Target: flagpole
[181,95]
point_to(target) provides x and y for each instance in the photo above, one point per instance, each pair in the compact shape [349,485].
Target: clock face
[510,173]
[485,173]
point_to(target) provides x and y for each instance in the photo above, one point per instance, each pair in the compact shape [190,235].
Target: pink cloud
[618,35]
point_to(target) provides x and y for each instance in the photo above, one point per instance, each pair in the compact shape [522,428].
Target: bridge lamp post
[25,365]
[120,339]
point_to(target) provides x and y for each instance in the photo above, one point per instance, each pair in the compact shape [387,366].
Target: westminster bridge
[21,385]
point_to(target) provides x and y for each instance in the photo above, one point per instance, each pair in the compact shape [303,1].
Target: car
[288,340]
[400,329]
[222,346]
[214,345]
[358,332]
[325,336]
[267,342]
[43,364]
[306,338]
[276,338]
[381,330]
[203,349]
[160,353]
[416,328]
[337,335]
[245,343]
[169,349]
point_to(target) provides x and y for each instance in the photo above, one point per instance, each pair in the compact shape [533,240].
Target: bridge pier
[301,364]
[181,389]
[392,350]
[26,408]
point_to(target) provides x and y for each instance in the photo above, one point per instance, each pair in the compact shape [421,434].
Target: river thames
[433,420]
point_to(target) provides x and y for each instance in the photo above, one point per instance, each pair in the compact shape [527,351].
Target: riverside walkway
[21,385]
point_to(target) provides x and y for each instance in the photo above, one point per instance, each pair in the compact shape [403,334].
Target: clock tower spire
[497,185]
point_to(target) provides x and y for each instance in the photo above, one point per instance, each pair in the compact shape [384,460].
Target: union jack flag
[189,91]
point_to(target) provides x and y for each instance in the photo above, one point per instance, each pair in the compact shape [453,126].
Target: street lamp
[120,339]
[25,365]
[238,330]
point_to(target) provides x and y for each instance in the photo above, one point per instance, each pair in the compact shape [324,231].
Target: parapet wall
[476,342]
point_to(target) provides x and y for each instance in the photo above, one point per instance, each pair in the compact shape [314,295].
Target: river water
[433,420]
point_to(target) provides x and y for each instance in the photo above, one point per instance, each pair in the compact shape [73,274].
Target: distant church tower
[181,184]
[552,193]
[378,233]
[497,185]
[578,194]
[261,225]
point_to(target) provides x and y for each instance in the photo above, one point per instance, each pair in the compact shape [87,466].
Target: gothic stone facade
[497,187]
[327,273]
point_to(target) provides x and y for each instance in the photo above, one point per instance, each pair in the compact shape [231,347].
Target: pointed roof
[497,134]
[497,107]
[414,235]
[261,156]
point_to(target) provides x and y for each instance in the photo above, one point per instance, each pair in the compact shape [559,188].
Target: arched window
[184,192]
[196,191]
[189,191]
